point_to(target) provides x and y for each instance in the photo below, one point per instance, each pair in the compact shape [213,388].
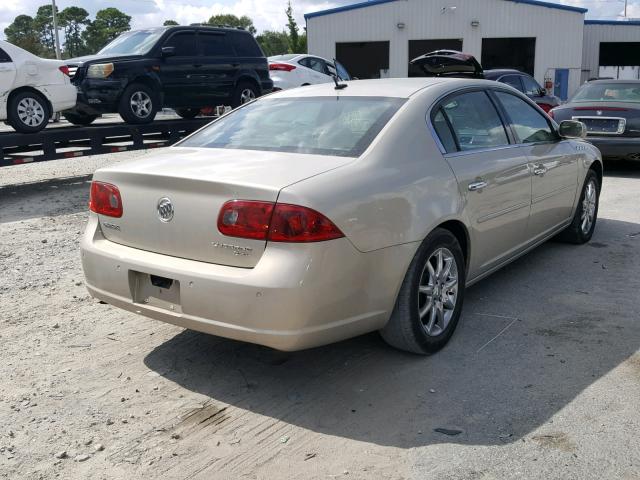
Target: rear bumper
[298,296]
[618,147]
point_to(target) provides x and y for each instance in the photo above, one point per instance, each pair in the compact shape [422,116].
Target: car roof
[631,81]
[387,87]
[503,71]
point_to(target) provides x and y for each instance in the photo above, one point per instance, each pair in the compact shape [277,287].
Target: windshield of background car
[608,92]
[138,42]
[341,126]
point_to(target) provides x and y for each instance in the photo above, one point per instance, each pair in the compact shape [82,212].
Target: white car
[32,89]
[299,70]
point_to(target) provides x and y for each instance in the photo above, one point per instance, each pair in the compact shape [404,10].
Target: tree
[292,26]
[43,26]
[22,34]
[109,23]
[273,43]
[168,23]
[74,20]
[231,20]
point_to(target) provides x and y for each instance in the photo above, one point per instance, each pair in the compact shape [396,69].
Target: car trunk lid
[197,182]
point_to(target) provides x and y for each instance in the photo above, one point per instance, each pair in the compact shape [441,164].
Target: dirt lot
[541,380]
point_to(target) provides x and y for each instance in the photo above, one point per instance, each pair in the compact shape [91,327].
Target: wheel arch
[246,77]
[598,168]
[27,88]
[150,82]
[460,231]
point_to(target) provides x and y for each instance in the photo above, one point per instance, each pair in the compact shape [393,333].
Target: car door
[7,78]
[219,67]
[180,72]
[553,163]
[493,175]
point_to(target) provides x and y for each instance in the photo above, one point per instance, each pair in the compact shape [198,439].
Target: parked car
[451,63]
[299,70]
[320,213]
[611,111]
[526,84]
[184,67]
[32,89]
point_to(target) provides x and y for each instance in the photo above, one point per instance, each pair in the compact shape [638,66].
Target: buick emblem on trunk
[165,209]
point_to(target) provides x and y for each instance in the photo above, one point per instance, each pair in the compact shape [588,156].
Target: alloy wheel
[140,104]
[589,203]
[31,112]
[438,291]
[246,96]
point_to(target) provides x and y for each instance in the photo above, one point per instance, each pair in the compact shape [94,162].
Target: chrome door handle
[475,186]
[540,170]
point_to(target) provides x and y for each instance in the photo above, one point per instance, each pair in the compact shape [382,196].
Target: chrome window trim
[622,124]
[487,149]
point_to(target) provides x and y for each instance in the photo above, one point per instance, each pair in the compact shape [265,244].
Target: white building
[378,38]
[611,49]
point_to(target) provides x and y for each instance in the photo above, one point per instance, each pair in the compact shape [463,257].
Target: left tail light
[105,199]
[64,69]
[550,113]
[275,222]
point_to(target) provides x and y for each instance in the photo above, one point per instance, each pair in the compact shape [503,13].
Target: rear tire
[188,113]
[430,300]
[584,220]
[244,93]
[138,104]
[28,112]
[79,118]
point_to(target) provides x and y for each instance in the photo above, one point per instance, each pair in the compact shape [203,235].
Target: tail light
[545,106]
[64,69]
[284,67]
[105,199]
[275,222]
[550,113]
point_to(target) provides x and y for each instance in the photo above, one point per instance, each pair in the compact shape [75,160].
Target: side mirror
[572,129]
[168,51]
[542,92]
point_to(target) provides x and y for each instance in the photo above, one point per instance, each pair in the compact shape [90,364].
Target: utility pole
[625,8]
[55,29]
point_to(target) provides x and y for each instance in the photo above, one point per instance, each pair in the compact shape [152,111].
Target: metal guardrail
[75,141]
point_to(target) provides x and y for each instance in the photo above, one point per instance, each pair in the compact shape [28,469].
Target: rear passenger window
[4,57]
[215,45]
[513,81]
[529,124]
[246,46]
[531,87]
[475,121]
[444,132]
[184,43]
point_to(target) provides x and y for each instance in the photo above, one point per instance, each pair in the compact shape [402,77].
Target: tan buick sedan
[320,213]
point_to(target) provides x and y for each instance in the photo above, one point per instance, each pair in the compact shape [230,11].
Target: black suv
[185,68]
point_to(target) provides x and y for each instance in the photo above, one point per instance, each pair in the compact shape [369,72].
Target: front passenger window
[184,43]
[475,121]
[530,125]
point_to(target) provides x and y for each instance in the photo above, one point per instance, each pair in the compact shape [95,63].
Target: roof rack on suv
[215,26]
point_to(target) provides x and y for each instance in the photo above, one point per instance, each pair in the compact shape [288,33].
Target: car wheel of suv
[244,92]
[79,118]
[28,112]
[429,303]
[188,112]
[584,221]
[138,104]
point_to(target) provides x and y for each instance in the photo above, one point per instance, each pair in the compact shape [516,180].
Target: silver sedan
[317,214]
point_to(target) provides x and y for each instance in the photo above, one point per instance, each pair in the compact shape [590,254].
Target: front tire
[584,220]
[138,104]
[430,300]
[28,112]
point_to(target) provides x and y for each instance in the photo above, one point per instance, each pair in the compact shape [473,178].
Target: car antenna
[339,86]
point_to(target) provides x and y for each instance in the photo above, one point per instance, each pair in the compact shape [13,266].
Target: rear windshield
[137,42]
[608,92]
[342,126]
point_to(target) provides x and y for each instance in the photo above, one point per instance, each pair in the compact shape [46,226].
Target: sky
[266,14]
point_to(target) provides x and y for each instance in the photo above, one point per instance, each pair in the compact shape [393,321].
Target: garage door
[364,59]
[420,47]
[518,53]
[619,54]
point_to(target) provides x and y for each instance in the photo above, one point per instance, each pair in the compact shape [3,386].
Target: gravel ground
[541,380]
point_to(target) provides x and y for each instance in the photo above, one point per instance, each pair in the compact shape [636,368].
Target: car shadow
[50,198]
[532,337]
